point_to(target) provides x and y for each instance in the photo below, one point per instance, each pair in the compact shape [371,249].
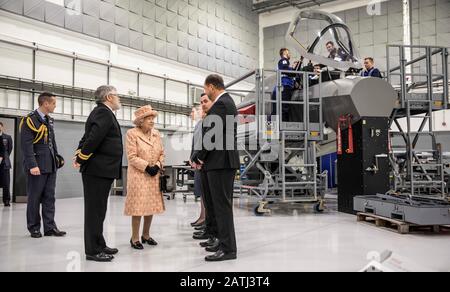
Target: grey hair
[103,92]
[139,123]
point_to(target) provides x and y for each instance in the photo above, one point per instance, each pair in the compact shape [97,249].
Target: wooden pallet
[398,226]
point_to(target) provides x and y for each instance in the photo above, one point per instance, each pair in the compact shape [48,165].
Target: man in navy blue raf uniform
[2,158]
[6,148]
[41,162]
[369,69]
[287,81]
[99,158]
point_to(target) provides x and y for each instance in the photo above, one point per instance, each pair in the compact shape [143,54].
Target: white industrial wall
[17,62]
[373,33]
[219,35]
[431,22]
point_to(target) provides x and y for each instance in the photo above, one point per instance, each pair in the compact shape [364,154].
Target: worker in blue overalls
[369,69]
[287,81]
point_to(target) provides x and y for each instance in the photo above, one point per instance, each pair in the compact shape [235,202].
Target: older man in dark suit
[99,158]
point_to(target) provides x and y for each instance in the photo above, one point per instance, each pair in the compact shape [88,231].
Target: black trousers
[5,180]
[96,193]
[219,194]
[210,220]
[41,191]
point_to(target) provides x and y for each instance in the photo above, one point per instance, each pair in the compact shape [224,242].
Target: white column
[407,36]
[261,45]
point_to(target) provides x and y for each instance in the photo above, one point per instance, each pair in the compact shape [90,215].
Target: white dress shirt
[222,94]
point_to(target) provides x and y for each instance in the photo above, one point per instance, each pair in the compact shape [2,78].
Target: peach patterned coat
[144,197]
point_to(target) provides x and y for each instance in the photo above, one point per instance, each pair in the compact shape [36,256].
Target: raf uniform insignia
[41,132]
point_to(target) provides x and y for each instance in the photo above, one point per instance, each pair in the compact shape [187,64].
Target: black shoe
[56,233]
[101,257]
[149,241]
[210,242]
[201,228]
[36,234]
[199,232]
[110,251]
[137,245]
[213,248]
[198,224]
[221,256]
[7,204]
[201,236]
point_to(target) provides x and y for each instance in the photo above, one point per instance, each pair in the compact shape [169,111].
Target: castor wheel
[261,210]
[319,207]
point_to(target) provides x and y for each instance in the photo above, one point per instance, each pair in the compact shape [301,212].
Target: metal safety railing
[285,152]
[419,170]
[407,75]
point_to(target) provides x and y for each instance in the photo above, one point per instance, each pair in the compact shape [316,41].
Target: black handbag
[163,182]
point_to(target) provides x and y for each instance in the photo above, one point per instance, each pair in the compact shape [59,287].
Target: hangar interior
[359,166]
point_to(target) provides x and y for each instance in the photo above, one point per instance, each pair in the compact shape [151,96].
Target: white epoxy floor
[290,240]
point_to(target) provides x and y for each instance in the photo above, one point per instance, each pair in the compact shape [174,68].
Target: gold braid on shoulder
[40,133]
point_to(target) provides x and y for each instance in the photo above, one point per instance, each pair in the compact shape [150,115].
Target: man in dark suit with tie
[99,158]
[41,162]
[219,160]
[6,148]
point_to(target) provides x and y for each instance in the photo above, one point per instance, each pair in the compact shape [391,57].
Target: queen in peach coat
[145,154]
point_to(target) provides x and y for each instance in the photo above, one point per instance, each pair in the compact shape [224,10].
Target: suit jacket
[7,143]
[2,153]
[197,139]
[38,143]
[222,154]
[100,151]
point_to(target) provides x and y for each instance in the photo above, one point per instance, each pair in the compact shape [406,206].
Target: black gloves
[152,171]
